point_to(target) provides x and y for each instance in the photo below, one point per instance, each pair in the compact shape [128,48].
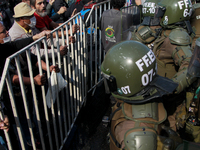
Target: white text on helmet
[147,77]
[185,2]
[149,4]
[150,9]
[146,60]
[187,6]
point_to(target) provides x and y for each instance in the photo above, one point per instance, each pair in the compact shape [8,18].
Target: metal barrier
[96,52]
[60,117]
[94,46]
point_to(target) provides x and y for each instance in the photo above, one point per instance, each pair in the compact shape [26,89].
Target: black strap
[115,141]
[111,116]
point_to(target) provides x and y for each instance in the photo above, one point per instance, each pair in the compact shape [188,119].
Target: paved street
[90,133]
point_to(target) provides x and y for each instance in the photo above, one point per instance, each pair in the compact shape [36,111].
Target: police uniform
[195,21]
[136,116]
[170,43]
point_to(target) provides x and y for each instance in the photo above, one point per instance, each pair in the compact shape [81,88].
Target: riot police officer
[167,31]
[130,70]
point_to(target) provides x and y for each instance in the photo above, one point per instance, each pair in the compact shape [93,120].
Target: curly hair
[117,3]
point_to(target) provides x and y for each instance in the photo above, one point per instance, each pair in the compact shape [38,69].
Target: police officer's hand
[63,50]
[40,79]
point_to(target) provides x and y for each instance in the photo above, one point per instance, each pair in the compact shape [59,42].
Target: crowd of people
[146,66]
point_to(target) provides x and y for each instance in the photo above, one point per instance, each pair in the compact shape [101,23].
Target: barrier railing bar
[52,105]
[79,34]
[62,92]
[44,101]
[25,100]
[35,98]
[58,99]
[13,105]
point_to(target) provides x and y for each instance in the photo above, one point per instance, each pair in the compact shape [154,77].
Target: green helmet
[173,11]
[149,8]
[148,12]
[131,65]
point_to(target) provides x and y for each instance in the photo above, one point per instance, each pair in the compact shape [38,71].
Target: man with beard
[43,22]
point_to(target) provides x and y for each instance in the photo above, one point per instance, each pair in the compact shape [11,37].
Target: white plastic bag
[55,87]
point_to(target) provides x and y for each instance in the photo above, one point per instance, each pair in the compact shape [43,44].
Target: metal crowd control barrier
[95,48]
[96,52]
[55,123]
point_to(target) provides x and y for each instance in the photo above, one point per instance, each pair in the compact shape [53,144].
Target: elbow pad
[183,81]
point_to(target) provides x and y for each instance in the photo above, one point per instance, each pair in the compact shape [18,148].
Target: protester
[55,16]
[43,22]
[57,5]
[24,26]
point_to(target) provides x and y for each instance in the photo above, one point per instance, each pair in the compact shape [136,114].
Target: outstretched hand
[75,28]
[74,12]
[54,68]
[41,34]
[62,10]
[4,124]
[51,2]
[63,50]
[40,79]
[71,39]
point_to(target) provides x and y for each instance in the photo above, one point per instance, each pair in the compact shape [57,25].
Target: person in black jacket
[57,5]
[39,80]
[80,5]
[55,15]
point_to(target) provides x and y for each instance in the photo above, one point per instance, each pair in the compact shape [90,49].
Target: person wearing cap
[24,26]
